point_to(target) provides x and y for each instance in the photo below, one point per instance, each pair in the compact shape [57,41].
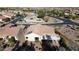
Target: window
[36,38]
[77,40]
[77,36]
[26,37]
[1,38]
[31,18]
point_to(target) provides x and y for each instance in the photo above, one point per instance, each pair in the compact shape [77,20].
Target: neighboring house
[31,14]
[70,36]
[2,18]
[32,18]
[52,19]
[11,30]
[9,14]
[76,21]
[41,32]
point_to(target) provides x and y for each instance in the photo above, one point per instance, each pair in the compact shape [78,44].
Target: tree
[55,12]
[46,18]
[77,15]
[18,14]
[61,13]
[41,13]
[48,13]
[72,16]
[12,39]
[77,27]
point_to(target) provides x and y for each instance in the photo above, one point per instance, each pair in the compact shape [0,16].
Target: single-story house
[8,14]
[11,30]
[76,21]
[70,36]
[31,14]
[41,32]
[33,19]
[2,18]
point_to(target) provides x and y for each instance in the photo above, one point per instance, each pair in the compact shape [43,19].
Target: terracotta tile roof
[40,29]
[30,14]
[7,30]
[69,32]
[9,14]
[2,17]
[76,21]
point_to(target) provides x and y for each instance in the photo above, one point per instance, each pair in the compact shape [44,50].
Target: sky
[39,3]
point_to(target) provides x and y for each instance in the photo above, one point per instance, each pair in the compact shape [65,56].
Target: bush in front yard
[11,41]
